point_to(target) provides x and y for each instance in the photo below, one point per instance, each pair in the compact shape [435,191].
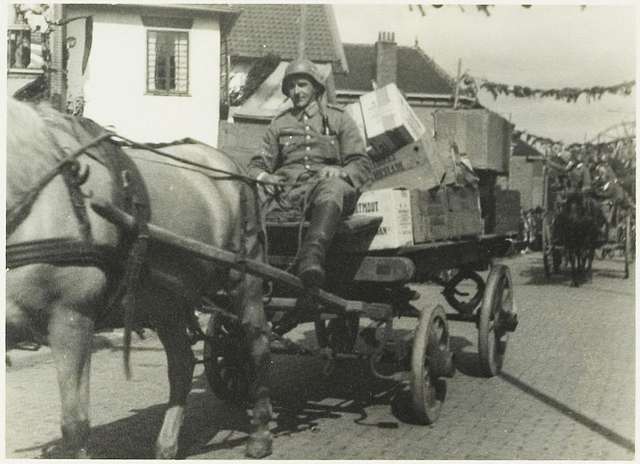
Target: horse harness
[129,193]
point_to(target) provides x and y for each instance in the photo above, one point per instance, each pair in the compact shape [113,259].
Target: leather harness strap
[61,251]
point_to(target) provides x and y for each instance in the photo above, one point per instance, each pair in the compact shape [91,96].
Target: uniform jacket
[300,142]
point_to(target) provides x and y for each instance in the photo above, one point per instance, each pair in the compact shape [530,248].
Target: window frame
[167,93]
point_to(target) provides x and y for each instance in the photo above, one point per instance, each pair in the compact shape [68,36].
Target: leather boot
[324,222]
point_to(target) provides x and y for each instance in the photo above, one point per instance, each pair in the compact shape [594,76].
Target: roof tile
[275,28]
[417,73]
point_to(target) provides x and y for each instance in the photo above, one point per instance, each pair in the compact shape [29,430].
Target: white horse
[64,299]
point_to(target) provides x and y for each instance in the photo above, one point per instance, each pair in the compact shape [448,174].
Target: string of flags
[568,94]
[471,86]
[482,8]
[546,143]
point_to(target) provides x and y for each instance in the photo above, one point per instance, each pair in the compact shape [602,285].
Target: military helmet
[302,67]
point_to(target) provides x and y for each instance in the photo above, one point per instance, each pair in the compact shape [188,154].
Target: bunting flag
[568,94]
[470,86]
[482,8]
[617,145]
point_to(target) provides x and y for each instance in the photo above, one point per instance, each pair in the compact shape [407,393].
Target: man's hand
[332,171]
[274,182]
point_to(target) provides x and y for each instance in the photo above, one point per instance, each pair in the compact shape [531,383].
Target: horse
[52,292]
[578,227]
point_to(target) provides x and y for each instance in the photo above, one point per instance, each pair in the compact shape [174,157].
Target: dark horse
[65,299]
[578,229]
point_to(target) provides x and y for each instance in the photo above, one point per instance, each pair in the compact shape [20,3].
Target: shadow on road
[535,274]
[466,362]
[609,269]
[571,413]
[302,396]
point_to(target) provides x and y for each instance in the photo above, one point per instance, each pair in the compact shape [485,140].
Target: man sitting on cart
[313,159]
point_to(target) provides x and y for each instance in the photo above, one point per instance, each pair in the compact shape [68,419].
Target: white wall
[114,83]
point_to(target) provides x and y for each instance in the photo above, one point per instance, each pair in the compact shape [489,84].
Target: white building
[149,72]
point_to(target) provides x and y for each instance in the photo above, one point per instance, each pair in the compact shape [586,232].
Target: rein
[17,213]
[227,175]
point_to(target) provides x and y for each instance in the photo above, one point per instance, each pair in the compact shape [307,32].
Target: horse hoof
[260,445]
[59,452]
[166,452]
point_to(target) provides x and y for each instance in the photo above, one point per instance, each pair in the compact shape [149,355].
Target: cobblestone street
[566,391]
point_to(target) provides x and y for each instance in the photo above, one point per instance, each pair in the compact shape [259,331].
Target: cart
[361,284]
[552,251]
[620,235]
[618,238]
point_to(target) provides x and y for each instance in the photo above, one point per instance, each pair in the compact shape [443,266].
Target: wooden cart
[361,284]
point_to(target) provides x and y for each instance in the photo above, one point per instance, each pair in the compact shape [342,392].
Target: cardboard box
[394,205]
[416,165]
[430,215]
[465,218]
[389,120]
[355,112]
[483,135]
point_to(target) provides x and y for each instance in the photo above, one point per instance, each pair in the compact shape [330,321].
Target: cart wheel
[496,314]
[467,305]
[430,359]
[226,365]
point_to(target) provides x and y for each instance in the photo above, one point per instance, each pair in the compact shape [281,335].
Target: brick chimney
[386,58]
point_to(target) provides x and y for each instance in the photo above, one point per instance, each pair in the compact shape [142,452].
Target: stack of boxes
[421,186]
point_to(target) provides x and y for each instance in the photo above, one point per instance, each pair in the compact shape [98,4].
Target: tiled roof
[261,29]
[417,73]
[194,8]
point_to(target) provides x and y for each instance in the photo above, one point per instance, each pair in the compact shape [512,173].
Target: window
[168,62]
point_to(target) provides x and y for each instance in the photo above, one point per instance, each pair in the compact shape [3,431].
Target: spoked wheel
[227,364]
[467,303]
[496,320]
[431,359]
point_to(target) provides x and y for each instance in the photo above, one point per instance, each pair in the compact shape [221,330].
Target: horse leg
[171,326]
[573,260]
[246,291]
[79,291]
[70,337]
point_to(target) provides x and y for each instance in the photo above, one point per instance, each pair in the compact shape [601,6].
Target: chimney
[386,58]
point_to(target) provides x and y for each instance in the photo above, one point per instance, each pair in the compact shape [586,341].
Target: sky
[546,46]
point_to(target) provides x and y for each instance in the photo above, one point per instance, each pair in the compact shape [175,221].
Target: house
[267,37]
[275,30]
[151,72]
[25,70]
[424,83]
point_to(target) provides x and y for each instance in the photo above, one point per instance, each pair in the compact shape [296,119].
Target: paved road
[566,392]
